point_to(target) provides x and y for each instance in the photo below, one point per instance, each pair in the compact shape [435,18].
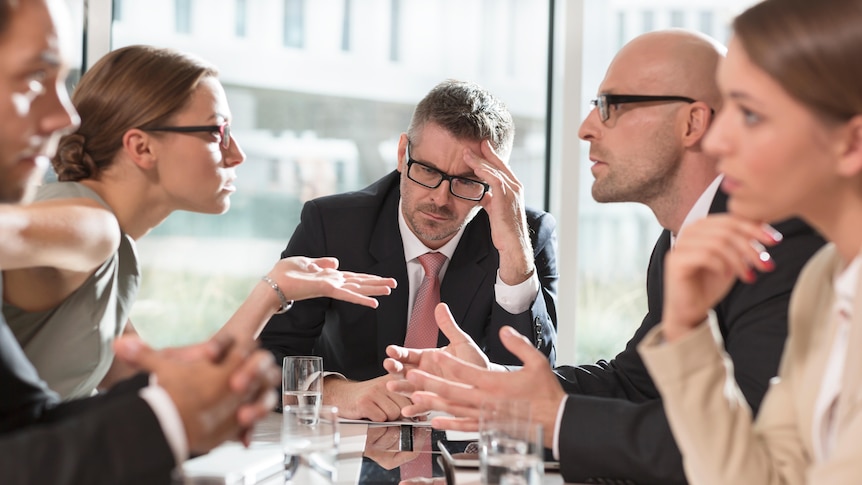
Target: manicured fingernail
[772,233]
[760,248]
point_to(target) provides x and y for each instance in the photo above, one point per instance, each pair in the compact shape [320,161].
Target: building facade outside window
[183,16]
[294,23]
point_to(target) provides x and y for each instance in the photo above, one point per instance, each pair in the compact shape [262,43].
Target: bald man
[605,422]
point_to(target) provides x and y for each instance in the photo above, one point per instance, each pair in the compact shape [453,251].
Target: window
[313,121]
[294,23]
[241,13]
[706,22]
[647,20]
[621,29]
[117,10]
[395,28]
[345,27]
[183,16]
[677,18]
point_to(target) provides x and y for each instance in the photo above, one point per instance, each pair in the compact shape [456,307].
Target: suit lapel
[655,270]
[655,276]
[387,249]
[466,274]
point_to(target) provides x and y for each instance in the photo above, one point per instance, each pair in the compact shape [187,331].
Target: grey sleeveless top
[71,345]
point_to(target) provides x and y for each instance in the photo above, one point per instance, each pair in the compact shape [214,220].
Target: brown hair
[811,48]
[467,111]
[132,87]
[5,14]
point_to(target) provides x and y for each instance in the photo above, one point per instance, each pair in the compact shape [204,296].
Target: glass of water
[302,381]
[511,447]
[309,439]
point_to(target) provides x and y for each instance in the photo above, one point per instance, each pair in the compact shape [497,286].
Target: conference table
[369,454]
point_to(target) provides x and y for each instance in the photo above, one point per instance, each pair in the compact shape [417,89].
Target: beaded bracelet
[285,303]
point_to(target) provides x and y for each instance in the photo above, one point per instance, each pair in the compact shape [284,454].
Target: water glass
[309,439]
[511,448]
[302,381]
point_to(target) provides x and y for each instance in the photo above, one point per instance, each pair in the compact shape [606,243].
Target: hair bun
[72,162]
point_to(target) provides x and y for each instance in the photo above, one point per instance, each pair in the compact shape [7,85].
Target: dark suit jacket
[113,438]
[614,426]
[361,230]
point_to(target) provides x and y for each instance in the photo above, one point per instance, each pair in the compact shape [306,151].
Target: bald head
[669,62]
[651,152]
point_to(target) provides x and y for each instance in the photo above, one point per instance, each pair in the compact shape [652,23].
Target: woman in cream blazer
[790,142]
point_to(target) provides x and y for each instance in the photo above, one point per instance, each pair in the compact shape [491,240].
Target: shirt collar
[700,209]
[847,280]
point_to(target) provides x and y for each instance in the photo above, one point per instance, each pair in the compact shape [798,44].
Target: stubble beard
[639,187]
[431,230]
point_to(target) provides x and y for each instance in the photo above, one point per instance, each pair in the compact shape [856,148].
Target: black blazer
[113,438]
[614,427]
[361,230]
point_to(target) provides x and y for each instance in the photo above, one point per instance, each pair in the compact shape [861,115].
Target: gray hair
[467,111]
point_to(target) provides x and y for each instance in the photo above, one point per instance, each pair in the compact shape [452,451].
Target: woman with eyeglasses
[154,138]
[790,141]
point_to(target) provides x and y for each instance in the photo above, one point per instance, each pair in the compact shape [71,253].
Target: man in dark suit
[190,400]
[605,422]
[500,267]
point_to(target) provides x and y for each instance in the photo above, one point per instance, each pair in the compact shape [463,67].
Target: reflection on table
[368,455]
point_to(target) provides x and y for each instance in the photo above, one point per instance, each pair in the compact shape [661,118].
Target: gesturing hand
[301,278]
[466,386]
[402,359]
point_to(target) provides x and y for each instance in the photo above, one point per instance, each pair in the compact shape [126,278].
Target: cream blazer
[712,423]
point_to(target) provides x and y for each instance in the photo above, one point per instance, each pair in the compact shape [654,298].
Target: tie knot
[432,262]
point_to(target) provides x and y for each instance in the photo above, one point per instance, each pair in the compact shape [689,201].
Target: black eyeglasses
[223,131]
[605,101]
[428,176]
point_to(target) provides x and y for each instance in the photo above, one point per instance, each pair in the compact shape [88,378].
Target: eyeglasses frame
[443,176]
[222,128]
[604,101]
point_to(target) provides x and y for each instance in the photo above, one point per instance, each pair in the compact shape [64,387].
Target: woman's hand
[300,278]
[708,257]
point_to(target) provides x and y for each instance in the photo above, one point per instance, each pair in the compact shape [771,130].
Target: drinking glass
[309,439]
[511,449]
[302,381]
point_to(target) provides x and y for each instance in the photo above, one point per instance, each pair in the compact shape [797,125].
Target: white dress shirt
[845,283]
[169,418]
[514,299]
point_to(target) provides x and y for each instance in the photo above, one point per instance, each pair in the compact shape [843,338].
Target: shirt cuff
[517,299]
[557,428]
[169,418]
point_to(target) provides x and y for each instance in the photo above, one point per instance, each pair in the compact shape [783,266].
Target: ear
[699,118]
[402,153]
[138,146]
[850,148]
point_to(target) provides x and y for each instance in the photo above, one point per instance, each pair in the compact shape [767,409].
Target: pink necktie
[420,466]
[422,328]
